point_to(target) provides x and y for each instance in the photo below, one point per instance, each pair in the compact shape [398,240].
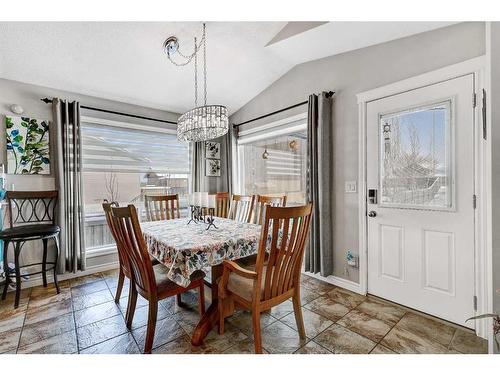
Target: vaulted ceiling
[124,61]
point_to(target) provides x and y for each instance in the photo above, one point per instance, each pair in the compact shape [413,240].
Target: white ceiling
[124,60]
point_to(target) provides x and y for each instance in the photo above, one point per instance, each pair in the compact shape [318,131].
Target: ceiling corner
[294,28]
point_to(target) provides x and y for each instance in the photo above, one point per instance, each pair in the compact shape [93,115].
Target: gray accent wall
[494,55]
[349,74]
[28,96]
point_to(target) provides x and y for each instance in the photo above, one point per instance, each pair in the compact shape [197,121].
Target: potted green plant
[496,324]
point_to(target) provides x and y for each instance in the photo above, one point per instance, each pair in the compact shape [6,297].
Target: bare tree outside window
[415,167]
[112,189]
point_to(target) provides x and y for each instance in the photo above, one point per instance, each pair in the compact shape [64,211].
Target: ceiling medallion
[202,122]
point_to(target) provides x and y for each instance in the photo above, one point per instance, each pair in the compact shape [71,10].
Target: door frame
[482,176]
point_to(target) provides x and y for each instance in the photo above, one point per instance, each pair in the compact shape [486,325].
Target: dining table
[185,247]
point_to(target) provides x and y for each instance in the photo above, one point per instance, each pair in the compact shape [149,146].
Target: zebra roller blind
[120,149]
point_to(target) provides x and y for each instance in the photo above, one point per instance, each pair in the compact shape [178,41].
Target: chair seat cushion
[164,283]
[32,230]
[242,286]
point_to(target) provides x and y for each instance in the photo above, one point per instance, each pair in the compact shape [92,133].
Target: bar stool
[31,217]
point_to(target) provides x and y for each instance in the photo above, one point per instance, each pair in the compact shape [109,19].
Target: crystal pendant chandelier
[202,122]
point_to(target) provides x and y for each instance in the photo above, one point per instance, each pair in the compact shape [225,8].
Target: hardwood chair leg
[179,300]
[220,308]
[132,302]
[119,286]
[150,333]
[56,243]
[201,298]
[256,331]
[127,313]
[17,270]
[297,310]
[5,269]
[44,262]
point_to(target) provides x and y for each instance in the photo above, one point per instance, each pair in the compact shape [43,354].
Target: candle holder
[210,219]
[199,215]
[195,214]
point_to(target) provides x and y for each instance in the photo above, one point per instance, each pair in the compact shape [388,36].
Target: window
[123,164]
[415,168]
[273,162]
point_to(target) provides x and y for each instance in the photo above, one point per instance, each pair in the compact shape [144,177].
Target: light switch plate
[350,186]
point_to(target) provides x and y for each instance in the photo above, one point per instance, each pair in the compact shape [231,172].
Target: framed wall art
[212,168]
[28,148]
[212,150]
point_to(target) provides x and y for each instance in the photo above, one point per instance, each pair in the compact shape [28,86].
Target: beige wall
[349,74]
[29,96]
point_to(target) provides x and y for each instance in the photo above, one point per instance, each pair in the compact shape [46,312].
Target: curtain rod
[329,94]
[47,101]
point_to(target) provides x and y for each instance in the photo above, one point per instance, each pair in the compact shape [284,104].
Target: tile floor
[84,319]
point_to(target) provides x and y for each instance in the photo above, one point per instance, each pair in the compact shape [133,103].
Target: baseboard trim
[37,281]
[338,281]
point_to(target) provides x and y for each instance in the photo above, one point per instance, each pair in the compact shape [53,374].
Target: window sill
[100,251]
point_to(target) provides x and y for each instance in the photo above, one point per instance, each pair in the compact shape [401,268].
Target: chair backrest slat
[285,257]
[261,202]
[131,240]
[241,208]
[221,204]
[289,266]
[162,207]
[283,237]
[28,207]
[273,256]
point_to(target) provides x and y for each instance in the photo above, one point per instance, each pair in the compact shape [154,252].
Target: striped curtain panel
[68,174]
[319,253]
[229,159]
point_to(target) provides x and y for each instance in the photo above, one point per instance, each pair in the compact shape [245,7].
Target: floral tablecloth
[185,249]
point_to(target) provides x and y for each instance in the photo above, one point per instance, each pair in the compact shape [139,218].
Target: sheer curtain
[319,254]
[68,173]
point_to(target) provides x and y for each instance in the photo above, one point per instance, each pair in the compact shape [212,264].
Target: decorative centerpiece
[202,207]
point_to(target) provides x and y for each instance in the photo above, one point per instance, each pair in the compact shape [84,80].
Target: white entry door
[420,180]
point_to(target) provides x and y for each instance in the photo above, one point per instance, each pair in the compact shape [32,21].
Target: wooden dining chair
[124,267]
[221,204]
[261,201]
[241,208]
[276,277]
[162,207]
[150,282]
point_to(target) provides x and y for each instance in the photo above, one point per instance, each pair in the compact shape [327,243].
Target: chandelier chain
[195,77]
[190,57]
[205,63]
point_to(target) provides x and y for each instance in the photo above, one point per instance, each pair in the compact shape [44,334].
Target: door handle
[372,213]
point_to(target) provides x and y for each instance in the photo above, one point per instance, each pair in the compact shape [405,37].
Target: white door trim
[482,230]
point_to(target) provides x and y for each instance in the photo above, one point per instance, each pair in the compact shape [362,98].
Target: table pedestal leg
[207,322]
[211,316]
